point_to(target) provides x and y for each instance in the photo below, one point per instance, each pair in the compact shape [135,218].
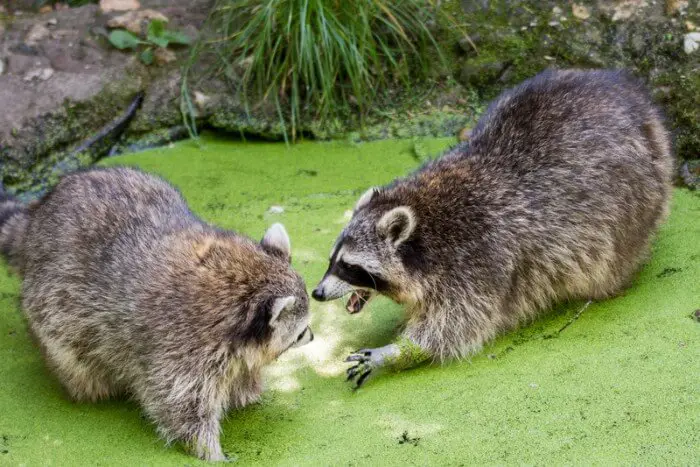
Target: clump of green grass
[319,58]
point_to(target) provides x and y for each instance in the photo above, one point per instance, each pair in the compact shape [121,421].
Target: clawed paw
[362,369]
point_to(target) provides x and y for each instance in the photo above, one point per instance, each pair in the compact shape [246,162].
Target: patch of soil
[62,80]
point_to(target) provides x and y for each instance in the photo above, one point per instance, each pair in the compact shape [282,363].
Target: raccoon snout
[330,288]
[318,294]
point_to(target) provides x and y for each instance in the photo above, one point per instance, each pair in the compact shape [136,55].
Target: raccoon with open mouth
[556,196]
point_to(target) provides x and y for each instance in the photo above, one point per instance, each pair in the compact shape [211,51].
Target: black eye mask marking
[357,276]
[258,330]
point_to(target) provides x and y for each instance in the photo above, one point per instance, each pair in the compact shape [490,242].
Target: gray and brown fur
[128,292]
[556,196]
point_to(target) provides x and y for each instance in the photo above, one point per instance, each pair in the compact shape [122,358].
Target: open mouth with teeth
[357,301]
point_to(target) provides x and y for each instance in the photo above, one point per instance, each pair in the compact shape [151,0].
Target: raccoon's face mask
[365,258]
[289,320]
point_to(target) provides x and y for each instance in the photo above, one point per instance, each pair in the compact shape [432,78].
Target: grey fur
[557,196]
[128,292]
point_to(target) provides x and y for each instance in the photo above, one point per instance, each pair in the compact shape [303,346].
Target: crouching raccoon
[127,292]
[557,196]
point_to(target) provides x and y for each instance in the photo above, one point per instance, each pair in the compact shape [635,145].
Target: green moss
[682,100]
[160,137]
[411,356]
[618,386]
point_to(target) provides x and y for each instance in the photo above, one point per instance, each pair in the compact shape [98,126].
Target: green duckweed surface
[619,385]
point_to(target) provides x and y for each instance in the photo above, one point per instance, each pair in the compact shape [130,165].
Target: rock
[136,21]
[478,74]
[2,66]
[676,6]
[163,56]
[119,5]
[275,210]
[580,11]
[62,56]
[691,42]
[201,100]
[468,44]
[557,11]
[637,43]
[52,22]
[19,64]
[90,84]
[24,49]
[621,9]
[41,74]
[690,174]
[36,34]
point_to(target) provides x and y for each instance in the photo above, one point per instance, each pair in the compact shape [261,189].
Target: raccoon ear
[279,305]
[276,241]
[366,198]
[397,225]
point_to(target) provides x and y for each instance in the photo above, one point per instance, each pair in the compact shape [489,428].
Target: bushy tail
[14,218]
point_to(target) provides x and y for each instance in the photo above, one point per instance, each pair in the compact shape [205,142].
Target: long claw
[362,369]
[359,355]
[353,371]
[362,378]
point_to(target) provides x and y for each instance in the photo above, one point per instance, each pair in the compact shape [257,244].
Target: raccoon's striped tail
[14,218]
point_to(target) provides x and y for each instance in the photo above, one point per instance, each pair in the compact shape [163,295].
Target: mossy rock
[518,39]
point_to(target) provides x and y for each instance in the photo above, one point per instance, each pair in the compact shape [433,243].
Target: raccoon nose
[317,294]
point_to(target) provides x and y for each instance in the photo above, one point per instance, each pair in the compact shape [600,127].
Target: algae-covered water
[618,385]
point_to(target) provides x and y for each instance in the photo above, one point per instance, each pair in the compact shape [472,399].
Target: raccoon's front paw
[362,369]
[367,361]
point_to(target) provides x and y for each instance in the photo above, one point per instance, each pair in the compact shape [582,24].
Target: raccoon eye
[353,268]
[359,277]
